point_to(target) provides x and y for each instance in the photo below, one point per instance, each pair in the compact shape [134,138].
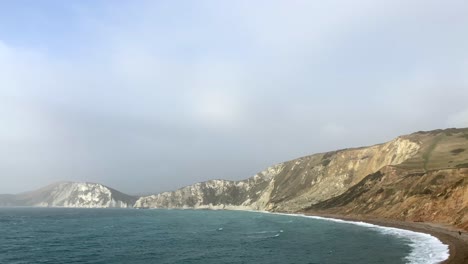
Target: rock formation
[71,194]
[250,194]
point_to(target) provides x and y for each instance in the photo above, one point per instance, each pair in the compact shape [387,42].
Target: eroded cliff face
[249,194]
[417,177]
[319,177]
[72,194]
[289,186]
[431,185]
[434,196]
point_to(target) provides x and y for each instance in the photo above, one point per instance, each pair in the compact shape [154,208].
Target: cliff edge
[418,177]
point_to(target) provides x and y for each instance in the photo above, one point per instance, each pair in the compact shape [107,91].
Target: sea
[67,235]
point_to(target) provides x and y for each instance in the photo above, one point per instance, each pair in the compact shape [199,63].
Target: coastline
[447,234]
[458,244]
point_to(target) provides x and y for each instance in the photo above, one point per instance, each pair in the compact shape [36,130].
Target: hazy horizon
[139,193]
[150,96]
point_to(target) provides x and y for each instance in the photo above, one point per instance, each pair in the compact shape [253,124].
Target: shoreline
[458,244]
[447,234]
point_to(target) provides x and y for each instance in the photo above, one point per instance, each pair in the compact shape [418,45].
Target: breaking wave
[426,249]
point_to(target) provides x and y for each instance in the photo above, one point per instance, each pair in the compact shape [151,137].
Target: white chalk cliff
[71,194]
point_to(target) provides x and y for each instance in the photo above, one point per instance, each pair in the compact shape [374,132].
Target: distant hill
[70,194]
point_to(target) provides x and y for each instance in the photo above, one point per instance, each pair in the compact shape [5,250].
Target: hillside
[70,194]
[430,186]
[419,177]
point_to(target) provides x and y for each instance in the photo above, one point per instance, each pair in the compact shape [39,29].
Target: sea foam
[426,249]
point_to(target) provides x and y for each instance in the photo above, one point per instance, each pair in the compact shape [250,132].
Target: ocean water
[61,235]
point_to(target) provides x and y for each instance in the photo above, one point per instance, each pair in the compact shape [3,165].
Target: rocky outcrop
[249,194]
[71,194]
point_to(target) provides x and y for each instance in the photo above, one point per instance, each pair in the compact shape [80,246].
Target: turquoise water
[53,235]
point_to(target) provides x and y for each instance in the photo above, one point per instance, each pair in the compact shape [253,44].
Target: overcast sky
[148,96]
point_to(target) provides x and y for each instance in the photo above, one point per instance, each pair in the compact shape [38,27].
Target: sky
[150,96]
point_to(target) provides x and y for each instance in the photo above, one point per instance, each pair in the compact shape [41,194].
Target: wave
[426,249]
[265,232]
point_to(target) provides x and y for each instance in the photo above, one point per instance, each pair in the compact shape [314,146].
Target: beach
[449,235]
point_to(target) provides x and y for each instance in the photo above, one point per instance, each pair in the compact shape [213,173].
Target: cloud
[216,108]
[22,122]
[151,96]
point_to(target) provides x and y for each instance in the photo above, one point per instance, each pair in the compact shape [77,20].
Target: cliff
[71,194]
[430,186]
[289,186]
[419,177]
[249,194]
